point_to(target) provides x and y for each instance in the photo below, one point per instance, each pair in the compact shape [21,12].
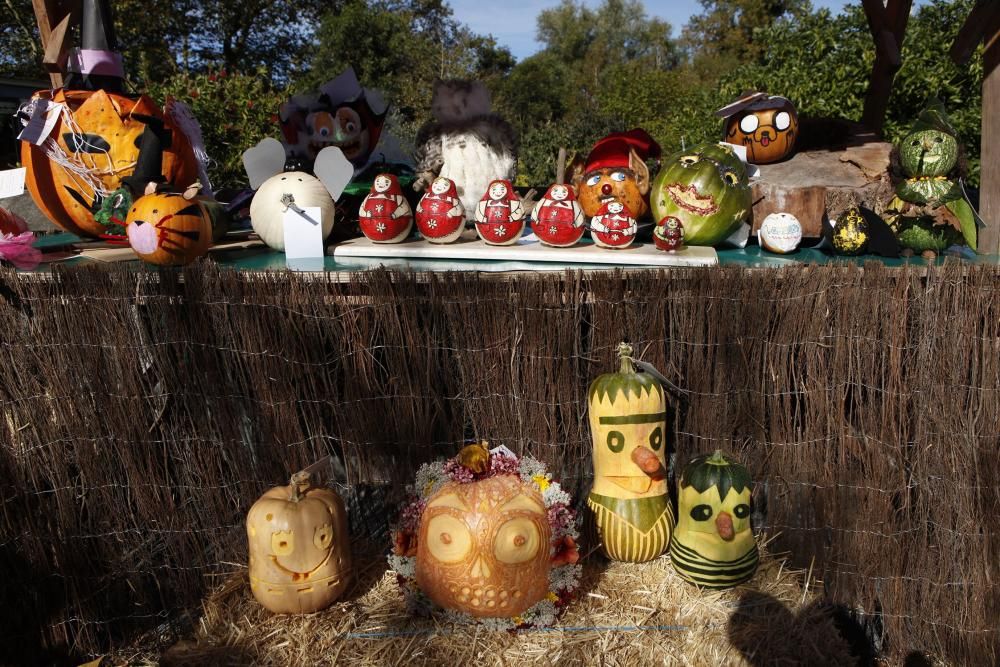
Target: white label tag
[304,238]
[12,182]
[43,121]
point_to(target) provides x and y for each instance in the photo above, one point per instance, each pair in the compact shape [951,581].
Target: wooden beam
[888,27]
[51,16]
[55,49]
[989,190]
[974,30]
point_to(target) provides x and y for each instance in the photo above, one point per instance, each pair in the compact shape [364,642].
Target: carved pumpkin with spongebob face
[484,547]
[300,558]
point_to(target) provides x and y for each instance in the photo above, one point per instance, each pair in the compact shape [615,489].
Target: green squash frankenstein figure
[629,502]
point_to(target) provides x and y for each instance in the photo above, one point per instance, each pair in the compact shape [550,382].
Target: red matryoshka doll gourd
[500,214]
[613,226]
[669,234]
[385,215]
[440,214]
[559,220]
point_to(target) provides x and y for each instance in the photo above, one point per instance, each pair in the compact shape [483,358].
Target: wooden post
[54,18]
[983,24]
[888,27]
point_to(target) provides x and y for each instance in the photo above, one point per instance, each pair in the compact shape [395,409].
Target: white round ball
[267,212]
[780,233]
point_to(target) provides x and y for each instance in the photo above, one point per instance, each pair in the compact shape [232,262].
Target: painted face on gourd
[768,134]
[498,190]
[618,184]
[705,188]
[300,558]
[484,547]
[169,229]
[713,544]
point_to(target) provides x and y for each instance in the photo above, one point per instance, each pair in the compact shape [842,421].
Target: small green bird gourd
[713,545]
[629,502]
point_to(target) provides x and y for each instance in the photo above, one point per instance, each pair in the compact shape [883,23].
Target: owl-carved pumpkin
[629,500]
[94,154]
[300,558]
[169,229]
[713,545]
[484,547]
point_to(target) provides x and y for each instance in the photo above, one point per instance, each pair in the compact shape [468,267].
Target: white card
[304,239]
[43,120]
[12,182]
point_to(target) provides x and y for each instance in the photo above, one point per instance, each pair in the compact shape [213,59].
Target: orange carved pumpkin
[96,142]
[300,556]
[169,229]
[768,128]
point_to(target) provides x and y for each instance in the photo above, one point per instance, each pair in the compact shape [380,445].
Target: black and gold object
[713,545]
[850,234]
[629,504]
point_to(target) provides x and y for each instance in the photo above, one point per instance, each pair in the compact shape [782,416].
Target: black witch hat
[96,64]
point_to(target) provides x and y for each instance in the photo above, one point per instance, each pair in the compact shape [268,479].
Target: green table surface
[264,259]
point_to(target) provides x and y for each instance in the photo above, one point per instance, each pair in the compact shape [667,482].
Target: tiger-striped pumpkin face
[713,545]
[168,229]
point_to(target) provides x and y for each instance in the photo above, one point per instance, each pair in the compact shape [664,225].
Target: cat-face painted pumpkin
[169,229]
[300,558]
[484,547]
[95,144]
[713,544]
[768,128]
[707,189]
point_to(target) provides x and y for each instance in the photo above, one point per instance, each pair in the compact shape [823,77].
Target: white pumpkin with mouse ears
[278,191]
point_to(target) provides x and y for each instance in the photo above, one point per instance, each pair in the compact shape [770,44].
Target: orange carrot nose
[648,462]
[724,524]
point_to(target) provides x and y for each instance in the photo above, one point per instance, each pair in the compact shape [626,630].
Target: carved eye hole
[689,160]
[616,441]
[282,543]
[701,512]
[914,143]
[323,538]
[749,123]
[517,541]
[730,178]
[782,120]
[86,143]
[741,511]
[448,539]
[938,139]
[656,437]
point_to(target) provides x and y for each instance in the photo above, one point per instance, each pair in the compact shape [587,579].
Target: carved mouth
[487,598]
[297,576]
[607,198]
[689,199]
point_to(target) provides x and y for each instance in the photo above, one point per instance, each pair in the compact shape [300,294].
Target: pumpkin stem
[301,482]
[718,458]
[625,355]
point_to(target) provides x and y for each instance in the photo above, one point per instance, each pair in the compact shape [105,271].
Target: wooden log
[989,192]
[816,185]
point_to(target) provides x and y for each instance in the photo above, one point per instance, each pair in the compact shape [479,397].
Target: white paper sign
[43,120]
[304,239]
[12,182]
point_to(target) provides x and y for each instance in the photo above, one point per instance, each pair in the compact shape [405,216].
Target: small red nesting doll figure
[558,217]
[385,215]
[669,234]
[613,226]
[500,214]
[440,214]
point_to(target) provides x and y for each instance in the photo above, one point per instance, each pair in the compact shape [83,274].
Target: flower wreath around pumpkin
[472,464]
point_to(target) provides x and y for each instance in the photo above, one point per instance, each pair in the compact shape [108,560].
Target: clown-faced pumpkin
[484,547]
[169,229]
[707,189]
[93,146]
[558,218]
[300,559]
[616,170]
[385,215]
[713,545]
[767,127]
[629,498]
[500,214]
[440,215]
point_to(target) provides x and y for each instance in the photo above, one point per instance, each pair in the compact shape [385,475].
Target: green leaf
[961,210]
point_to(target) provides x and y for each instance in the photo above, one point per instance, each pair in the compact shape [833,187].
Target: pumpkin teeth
[689,199]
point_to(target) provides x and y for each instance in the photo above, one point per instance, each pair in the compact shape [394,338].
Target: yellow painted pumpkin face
[300,558]
[717,528]
[629,434]
[484,547]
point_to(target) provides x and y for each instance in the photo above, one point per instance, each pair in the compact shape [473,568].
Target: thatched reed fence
[142,413]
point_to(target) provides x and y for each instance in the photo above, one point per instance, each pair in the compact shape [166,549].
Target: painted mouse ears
[268,158]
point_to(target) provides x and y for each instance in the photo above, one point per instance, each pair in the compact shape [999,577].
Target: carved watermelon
[707,189]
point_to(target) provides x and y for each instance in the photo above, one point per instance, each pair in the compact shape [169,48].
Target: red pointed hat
[613,150]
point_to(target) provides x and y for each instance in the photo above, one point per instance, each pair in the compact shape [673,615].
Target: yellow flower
[428,486]
[518,620]
[542,481]
[552,597]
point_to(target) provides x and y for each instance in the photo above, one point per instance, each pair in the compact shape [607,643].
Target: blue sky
[512,22]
